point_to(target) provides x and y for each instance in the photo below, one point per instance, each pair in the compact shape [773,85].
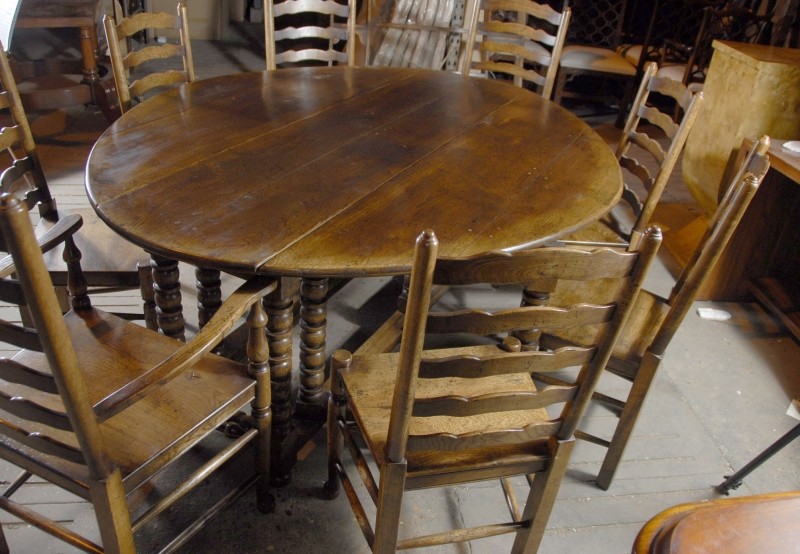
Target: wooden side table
[58,83]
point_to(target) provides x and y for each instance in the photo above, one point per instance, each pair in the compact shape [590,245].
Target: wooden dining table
[332,172]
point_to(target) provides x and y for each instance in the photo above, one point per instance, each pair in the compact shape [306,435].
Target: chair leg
[336,409]
[148,294]
[113,518]
[390,501]
[261,407]
[627,419]
[542,497]
[3,543]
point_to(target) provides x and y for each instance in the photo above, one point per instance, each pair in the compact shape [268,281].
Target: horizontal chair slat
[468,366]
[14,372]
[460,406]
[485,323]
[482,439]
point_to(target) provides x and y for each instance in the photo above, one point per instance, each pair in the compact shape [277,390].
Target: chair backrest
[151,60]
[22,173]
[597,23]
[69,431]
[310,32]
[734,23]
[451,367]
[521,39]
[665,158]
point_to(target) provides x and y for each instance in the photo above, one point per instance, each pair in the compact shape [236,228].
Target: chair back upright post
[520,39]
[125,63]
[310,32]
[16,139]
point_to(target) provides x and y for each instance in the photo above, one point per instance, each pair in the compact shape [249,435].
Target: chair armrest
[66,227]
[209,336]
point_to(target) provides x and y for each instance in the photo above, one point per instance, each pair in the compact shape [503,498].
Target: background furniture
[57,82]
[310,31]
[110,262]
[100,406]
[591,51]
[763,258]
[772,107]
[518,40]
[125,63]
[325,173]
[471,412]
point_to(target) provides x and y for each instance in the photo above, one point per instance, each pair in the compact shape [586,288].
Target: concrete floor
[719,399]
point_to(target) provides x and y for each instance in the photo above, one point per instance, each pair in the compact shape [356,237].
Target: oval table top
[334,171]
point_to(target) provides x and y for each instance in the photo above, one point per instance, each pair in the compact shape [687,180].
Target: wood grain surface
[335,171]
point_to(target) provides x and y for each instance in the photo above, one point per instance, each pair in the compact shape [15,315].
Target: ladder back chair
[310,32]
[642,178]
[591,53]
[519,39]
[140,71]
[471,413]
[100,406]
[655,320]
[110,262]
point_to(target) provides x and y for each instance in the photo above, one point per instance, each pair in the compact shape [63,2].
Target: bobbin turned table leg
[167,288]
[279,306]
[209,293]
[311,396]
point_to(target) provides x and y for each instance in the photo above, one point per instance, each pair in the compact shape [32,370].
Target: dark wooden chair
[645,183]
[110,262]
[655,319]
[433,417]
[153,72]
[520,40]
[98,405]
[591,53]
[310,31]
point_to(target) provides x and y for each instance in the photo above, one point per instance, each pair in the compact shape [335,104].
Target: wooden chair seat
[140,439]
[372,379]
[596,59]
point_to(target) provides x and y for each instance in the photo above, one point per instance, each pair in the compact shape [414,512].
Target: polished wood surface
[333,171]
[760,523]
